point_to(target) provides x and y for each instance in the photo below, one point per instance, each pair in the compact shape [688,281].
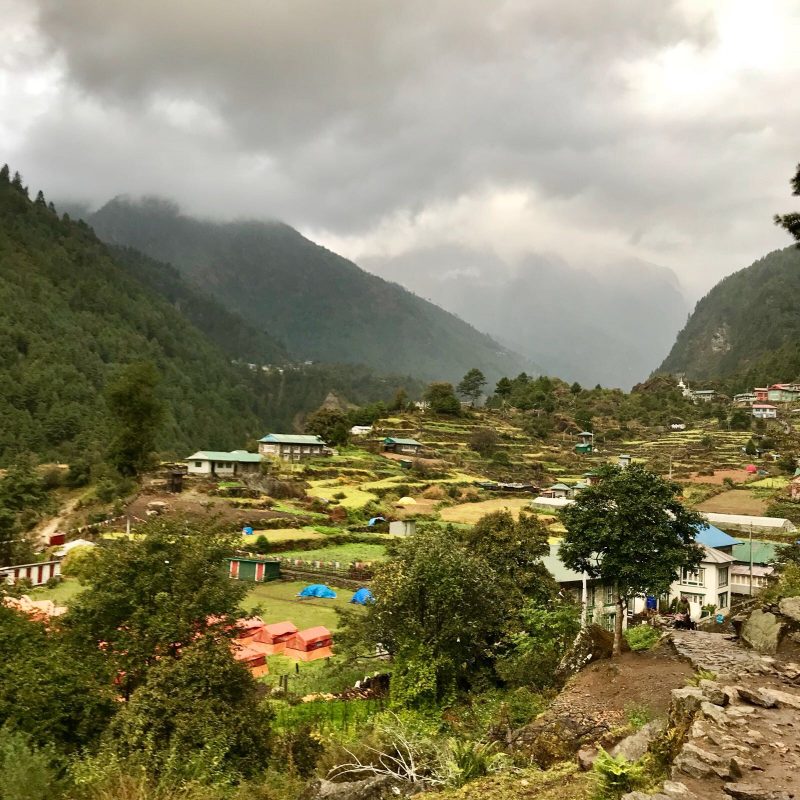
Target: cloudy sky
[596,133]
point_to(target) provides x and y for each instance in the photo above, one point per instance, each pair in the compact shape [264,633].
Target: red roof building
[310,644]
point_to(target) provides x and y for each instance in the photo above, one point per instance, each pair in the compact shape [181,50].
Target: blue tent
[247,530]
[362,597]
[317,590]
[375,520]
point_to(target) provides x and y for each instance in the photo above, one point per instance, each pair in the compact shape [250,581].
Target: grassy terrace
[344,553]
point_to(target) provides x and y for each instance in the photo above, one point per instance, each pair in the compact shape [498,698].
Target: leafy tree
[471,385]
[136,414]
[148,597]
[49,690]
[438,611]
[400,401]
[331,425]
[630,531]
[575,388]
[195,717]
[483,441]
[750,448]
[740,420]
[503,388]
[791,222]
[442,398]
[514,548]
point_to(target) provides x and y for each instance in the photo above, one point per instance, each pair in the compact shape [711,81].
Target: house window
[722,577]
[590,596]
[609,622]
[693,577]
[589,616]
[198,463]
[722,600]
[609,595]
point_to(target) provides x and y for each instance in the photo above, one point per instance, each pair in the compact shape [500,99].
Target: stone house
[291,446]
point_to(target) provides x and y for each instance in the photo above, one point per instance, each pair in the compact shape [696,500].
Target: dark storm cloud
[339,116]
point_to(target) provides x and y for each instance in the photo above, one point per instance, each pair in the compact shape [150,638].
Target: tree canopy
[791,222]
[631,532]
[471,385]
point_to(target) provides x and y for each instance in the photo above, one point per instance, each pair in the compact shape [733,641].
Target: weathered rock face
[634,747]
[381,787]
[790,607]
[762,631]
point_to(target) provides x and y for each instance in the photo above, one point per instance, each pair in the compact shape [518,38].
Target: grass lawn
[470,513]
[346,553]
[735,501]
[278,601]
[60,595]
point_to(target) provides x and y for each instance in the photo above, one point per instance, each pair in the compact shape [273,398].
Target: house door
[247,571]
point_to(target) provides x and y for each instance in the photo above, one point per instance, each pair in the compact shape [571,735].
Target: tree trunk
[618,624]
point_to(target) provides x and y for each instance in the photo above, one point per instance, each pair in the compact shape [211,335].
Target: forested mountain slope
[73,315]
[321,305]
[747,326]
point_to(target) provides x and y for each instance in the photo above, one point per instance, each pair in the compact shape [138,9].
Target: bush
[502,458]
[642,637]
[617,776]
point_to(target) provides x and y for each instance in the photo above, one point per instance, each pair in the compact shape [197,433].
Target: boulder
[784,699]
[686,702]
[749,791]
[757,697]
[790,607]
[714,692]
[381,787]
[634,747]
[762,631]
[676,790]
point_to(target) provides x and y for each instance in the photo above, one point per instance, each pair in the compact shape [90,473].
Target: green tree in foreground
[791,222]
[136,415]
[442,398]
[630,531]
[147,598]
[438,610]
[471,385]
[195,717]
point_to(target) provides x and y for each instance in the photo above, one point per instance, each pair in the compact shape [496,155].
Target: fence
[356,571]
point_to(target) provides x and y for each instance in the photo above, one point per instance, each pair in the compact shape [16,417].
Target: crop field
[278,601]
[470,513]
[278,535]
[344,553]
[354,496]
[735,501]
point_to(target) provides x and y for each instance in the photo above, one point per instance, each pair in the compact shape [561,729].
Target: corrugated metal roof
[713,556]
[555,566]
[710,536]
[763,552]
[746,519]
[291,438]
[392,440]
[240,456]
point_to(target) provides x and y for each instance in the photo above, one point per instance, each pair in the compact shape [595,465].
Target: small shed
[406,446]
[274,637]
[259,570]
[403,527]
[310,644]
[253,659]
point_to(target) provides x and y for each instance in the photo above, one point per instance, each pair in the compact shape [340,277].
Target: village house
[704,395]
[361,430]
[598,600]
[558,490]
[764,411]
[745,523]
[794,486]
[410,447]
[745,399]
[38,574]
[761,393]
[677,426]
[223,465]
[759,555]
[783,393]
[291,446]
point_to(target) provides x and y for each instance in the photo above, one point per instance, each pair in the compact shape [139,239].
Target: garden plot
[735,501]
[470,513]
[343,553]
[279,535]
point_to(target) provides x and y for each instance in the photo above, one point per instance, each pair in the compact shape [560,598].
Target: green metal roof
[556,567]
[392,440]
[291,438]
[763,552]
[561,486]
[240,456]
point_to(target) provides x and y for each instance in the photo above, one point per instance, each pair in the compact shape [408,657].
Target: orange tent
[274,637]
[310,644]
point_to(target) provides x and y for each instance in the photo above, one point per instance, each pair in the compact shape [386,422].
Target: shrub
[340,495]
[642,637]
[501,457]
[617,776]
[638,716]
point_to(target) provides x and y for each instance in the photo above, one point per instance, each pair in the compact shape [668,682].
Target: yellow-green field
[470,513]
[278,601]
[277,535]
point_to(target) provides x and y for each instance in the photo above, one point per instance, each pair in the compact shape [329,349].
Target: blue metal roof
[713,537]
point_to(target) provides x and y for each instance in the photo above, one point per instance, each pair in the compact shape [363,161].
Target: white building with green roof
[291,446]
[218,463]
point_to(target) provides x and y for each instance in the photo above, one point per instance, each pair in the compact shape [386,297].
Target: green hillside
[323,306]
[74,313]
[746,329]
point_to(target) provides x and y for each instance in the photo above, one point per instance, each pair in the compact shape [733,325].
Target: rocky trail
[743,738]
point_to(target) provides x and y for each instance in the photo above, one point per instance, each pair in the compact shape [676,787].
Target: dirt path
[744,742]
[45,530]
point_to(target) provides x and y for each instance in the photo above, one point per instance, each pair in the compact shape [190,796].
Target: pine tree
[791,222]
